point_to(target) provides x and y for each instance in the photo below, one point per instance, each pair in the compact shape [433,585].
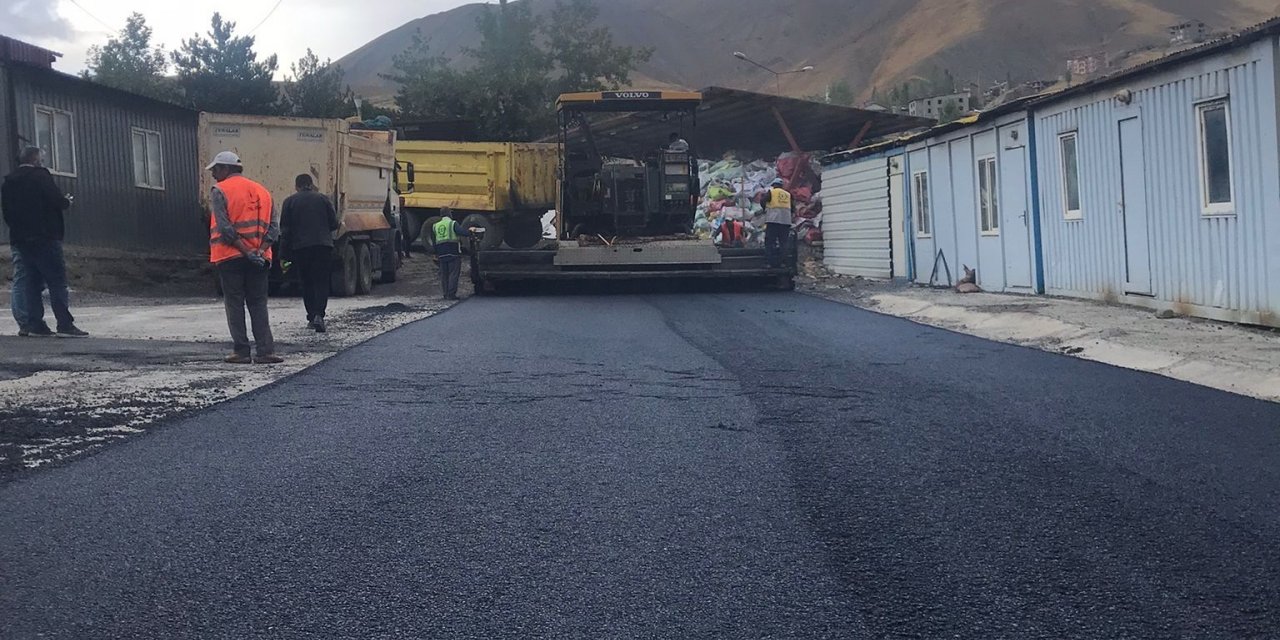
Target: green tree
[585,54]
[841,93]
[222,72]
[509,87]
[130,62]
[950,113]
[315,90]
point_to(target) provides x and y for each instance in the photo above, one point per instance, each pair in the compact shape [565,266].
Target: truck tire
[343,280]
[493,231]
[523,231]
[426,233]
[364,269]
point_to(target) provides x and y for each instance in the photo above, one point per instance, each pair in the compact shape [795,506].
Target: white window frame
[1227,208]
[51,154]
[989,221]
[917,197]
[1067,212]
[140,182]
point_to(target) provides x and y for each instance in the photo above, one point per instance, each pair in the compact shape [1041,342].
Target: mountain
[868,43]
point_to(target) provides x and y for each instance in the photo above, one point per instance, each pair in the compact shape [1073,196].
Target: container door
[897,217]
[1015,210]
[1133,208]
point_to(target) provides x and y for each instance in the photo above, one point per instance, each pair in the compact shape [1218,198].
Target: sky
[331,28]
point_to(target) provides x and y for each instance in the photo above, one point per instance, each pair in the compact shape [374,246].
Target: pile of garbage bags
[733,189]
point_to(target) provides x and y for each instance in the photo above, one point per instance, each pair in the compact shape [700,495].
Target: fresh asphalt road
[676,465]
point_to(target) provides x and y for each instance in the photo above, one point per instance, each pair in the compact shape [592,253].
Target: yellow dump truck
[503,187]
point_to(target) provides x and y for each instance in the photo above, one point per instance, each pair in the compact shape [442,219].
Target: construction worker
[445,243]
[242,229]
[307,223]
[779,211]
[732,233]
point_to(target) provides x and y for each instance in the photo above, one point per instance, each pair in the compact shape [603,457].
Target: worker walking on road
[242,229]
[779,210]
[307,223]
[33,207]
[445,242]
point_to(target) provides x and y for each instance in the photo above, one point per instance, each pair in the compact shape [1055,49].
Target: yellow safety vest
[444,231]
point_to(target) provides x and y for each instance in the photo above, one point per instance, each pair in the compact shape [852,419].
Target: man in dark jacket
[33,206]
[307,222]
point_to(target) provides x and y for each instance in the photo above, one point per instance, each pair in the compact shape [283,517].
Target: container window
[920,198]
[148,160]
[1070,175]
[988,196]
[1215,157]
[55,135]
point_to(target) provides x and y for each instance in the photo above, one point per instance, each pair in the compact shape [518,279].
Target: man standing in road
[307,223]
[241,231]
[448,250]
[33,208]
[779,210]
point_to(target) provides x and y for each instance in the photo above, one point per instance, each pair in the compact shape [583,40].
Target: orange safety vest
[249,208]
[730,232]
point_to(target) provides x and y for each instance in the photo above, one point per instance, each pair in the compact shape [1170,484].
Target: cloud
[34,19]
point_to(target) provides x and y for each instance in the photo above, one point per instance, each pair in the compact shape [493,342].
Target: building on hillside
[934,107]
[1087,64]
[1190,32]
[130,161]
[1157,186]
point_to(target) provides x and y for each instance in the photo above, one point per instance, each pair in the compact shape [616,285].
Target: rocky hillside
[869,43]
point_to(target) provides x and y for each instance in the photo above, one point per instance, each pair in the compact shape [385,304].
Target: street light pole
[777,75]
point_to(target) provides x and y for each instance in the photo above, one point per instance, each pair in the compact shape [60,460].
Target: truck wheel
[427,234]
[493,232]
[523,231]
[343,280]
[364,269]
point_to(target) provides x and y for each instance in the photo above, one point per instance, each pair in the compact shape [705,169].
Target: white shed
[863,218]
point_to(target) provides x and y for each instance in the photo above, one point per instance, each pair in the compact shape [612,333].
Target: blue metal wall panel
[1215,266]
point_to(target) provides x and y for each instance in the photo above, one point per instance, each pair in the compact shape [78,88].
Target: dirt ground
[156,351]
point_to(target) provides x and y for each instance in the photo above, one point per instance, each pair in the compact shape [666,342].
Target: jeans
[314,266]
[244,284]
[775,242]
[38,264]
[450,270]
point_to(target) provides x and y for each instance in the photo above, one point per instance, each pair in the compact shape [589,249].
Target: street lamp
[777,75]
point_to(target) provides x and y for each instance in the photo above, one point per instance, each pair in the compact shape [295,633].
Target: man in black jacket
[307,222]
[33,206]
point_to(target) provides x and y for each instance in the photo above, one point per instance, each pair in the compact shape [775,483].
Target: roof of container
[12,50]
[735,120]
[1240,39]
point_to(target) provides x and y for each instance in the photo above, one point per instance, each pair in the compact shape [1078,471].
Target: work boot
[318,324]
[72,331]
[269,358]
[236,358]
[38,331]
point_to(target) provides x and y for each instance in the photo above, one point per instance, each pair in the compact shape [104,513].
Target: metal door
[1133,208]
[1016,215]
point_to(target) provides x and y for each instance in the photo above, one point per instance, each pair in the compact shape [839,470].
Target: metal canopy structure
[756,124]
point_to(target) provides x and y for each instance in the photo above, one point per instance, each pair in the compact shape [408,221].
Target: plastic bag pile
[732,189]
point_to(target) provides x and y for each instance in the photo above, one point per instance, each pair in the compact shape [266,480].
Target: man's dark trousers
[775,242]
[244,284]
[44,266]
[314,268]
[450,270]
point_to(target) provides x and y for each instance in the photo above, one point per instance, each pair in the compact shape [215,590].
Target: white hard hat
[228,158]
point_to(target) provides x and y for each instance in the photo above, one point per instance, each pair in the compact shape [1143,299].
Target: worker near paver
[307,222]
[732,233]
[33,209]
[779,211]
[445,243]
[677,144]
[242,229]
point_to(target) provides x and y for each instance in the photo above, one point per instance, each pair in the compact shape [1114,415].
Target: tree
[585,55]
[509,88]
[950,112]
[841,93]
[315,90]
[131,63]
[222,72]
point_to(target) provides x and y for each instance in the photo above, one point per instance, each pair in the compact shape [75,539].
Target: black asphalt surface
[667,466]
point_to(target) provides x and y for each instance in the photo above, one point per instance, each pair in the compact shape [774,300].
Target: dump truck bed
[479,176]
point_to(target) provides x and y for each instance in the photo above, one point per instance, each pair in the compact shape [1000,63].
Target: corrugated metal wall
[110,211]
[1224,266]
[855,219]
